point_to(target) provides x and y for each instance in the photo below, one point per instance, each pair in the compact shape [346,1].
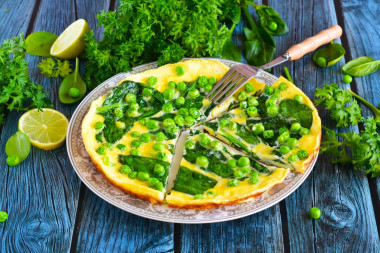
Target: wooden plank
[342,194]
[363,40]
[105,228]
[41,193]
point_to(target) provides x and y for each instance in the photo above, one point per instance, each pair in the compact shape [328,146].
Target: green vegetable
[298,98]
[189,120]
[53,67]
[136,143]
[330,55]
[302,154]
[315,213]
[160,136]
[12,160]
[270,20]
[180,101]
[258,129]
[158,146]
[292,142]
[249,87]
[283,137]
[374,110]
[304,131]
[232,125]
[152,80]
[233,182]
[268,90]
[243,161]
[217,145]
[121,147]
[232,163]
[172,84]
[194,112]
[293,158]
[125,169]
[238,173]
[344,109]
[193,93]
[3,216]
[179,120]
[159,170]
[272,110]
[18,145]
[152,125]
[361,66]
[199,196]
[152,182]
[180,70]
[39,43]
[147,92]
[142,176]
[347,79]
[17,91]
[284,149]
[267,134]
[101,150]
[135,152]
[242,96]
[72,81]
[284,86]
[132,175]
[189,144]
[130,98]
[202,161]
[295,127]
[181,86]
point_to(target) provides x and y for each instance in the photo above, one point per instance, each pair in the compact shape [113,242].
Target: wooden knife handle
[310,44]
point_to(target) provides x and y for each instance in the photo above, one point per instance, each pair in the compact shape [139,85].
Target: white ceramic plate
[97,183]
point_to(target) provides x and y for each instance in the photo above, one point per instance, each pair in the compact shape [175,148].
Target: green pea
[159,186]
[194,112]
[203,136]
[272,26]
[282,86]
[232,163]
[283,137]
[347,79]
[272,110]
[253,180]
[180,70]
[238,173]
[223,122]
[135,134]
[216,145]
[284,149]
[295,127]
[13,160]
[159,170]
[183,111]
[129,98]
[101,150]
[160,136]
[147,92]
[246,169]
[304,131]
[118,113]
[249,87]
[152,125]
[146,137]
[132,175]
[106,161]
[171,85]
[268,90]
[302,154]
[168,123]
[202,81]
[212,80]
[189,144]
[243,161]
[252,101]
[179,120]
[315,213]
[132,112]
[243,105]
[298,99]
[258,129]
[270,102]
[121,147]
[202,161]
[181,86]
[74,92]
[143,122]
[152,182]
[168,94]
[98,125]
[208,87]
[134,105]
[292,142]
[205,141]
[293,158]
[135,152]
[242,96]
[125,169]
[321,62]
[189,120]
[136,143]
[252,111]
[283,130]
[180,101]
[199,196]
[167,107]
[152,80]
[232,182]
[158,146]
[232,125]
[142,176]
[172,129]
[3,216]
[267,134]
[193,93]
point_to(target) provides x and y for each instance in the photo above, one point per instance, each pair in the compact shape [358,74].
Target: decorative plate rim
[148,210]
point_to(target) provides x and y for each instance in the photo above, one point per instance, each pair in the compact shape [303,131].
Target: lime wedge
[46,129]
[70,43]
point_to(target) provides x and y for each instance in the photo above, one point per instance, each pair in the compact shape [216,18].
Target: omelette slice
[281,126]
[212,174]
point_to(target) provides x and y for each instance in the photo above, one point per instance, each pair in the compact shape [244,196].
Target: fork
[239,74]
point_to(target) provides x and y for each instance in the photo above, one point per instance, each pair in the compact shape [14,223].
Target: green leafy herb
[328,56]
[361,66]
[54,68]
[72,88]
[344,109]
[375,110]
[39,43]
[17,91]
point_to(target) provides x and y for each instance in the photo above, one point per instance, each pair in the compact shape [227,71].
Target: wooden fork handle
[310,44]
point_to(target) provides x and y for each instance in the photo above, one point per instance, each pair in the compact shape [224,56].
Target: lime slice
[46,129]
[70,43]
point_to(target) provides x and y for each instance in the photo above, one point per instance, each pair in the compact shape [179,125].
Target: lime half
[70,43]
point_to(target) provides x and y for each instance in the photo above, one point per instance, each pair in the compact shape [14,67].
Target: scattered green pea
[147,92]
[193,93]
[199,196]
[211,193]
[268,90]
[212,80]
[167,107]
[189,144]
[132,112]
[249,87]
[253,179]
[272,110]
[168,123]
[159,170]
[180,70]
[282,86]
[267,134]
[283,137]
[243,161]
[252,111]
[142,176]
[152,182]
[143,122]
[270,102]
[232,182]
[298,99]
[152,80]
[159,186]
[3,216]
[108,145]
[232,163]
[179,120]
[194,112]
[136,143]
[135,152]
[152,125]
[243,105]
[172,129]
[315,213]
[208,87]
[101,150]
[158,146]
[283,130]
[134,106]
[121,147]
[232,125]
[321,61]
[242,96]
[98,125]
[292,142]
[132,175]
[74,92]
[295,127]
[223,122]
[238,173]
[202,161]
[347,79]
[160,136]
[129,98]
[183,111]
[171,84]
[216,145]
[125,169]
[284,149]
[258,129]
[146,137]
[272,26]
[120,124]
[135,134]
[202,81]
[302,154]
[181,86]
[168,94]
[293,158]
[189,120]
[13,160]
[304,131]
[180,101]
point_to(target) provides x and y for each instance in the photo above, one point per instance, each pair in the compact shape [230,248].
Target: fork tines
[236,77]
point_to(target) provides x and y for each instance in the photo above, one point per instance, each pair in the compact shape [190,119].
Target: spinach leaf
[145,164]
[328,56]
[229,51]
[247,135]
[361,66]
[191,182]
[271,20]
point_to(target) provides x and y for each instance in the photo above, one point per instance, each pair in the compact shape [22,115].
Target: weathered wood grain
[342,194]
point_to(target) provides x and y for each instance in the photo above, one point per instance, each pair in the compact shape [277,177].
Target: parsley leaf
[54,68]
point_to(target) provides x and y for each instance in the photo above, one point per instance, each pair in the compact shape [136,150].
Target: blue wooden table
[50,210]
